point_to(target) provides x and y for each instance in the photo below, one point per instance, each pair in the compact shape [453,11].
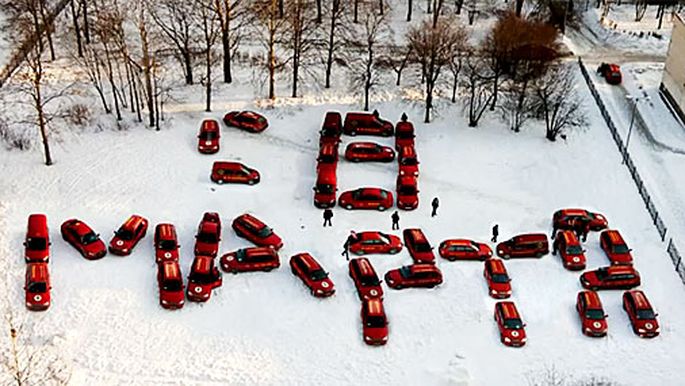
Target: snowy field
[265,328]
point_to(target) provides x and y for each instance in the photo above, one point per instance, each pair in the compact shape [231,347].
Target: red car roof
[509,310]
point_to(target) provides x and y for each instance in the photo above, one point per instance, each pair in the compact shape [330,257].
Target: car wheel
[220,182]
[268,269]
[539,255]
[398,287]
[381,208]
[506,257]
[349,207]
[353,133]
[358,253]
[393,251]
[250,182]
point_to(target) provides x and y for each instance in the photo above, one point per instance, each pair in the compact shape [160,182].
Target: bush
[78,115]
[13,138]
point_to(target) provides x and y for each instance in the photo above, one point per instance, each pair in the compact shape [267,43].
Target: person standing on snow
[404,117]
[327,216]
[395,220]
[495,233]
[434,204]
[346,247]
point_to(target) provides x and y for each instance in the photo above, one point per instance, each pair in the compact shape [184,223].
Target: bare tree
[456,64]
[209,24]
[335,23]
[91,62]
[559,103]
[396,57]
[270,26]
[175,18]
[479,89]
[410,8]
[232,20]
[300,36]
[434,46]
[147,61]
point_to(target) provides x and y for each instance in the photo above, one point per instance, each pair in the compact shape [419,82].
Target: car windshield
[207,238]
[36,244]
[245,171]
[500,278]
[327,158]
[90,238]
[384,239]
[319,274]
[407,190]
[408,161]
[594,314]
[124,234]
[423,247]
[601,273]
[325,188]
[37,287]
[645,314]
[621,248]
[247,118]
[405,134]
[201,278]
[370,280]
[264,232]
[574,250]
[172,285]
[514,324]
[208,135]
[375,321]
[240,255]
[405,271]
[167,245]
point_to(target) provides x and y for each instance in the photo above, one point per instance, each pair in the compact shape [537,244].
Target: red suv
[246,120]
[166,243]
[128,235]
[511,328]
[407,192]
[367,124]
[37,242]
[331,128]
[564,219]
[375,242]
[592,316]
[374,322]
[613,277]
[499,283]
[368,151]
[615,248]
[304,266]
[641,314]
[365,279]
[37,286]
[463,249]
[415,275]
[252,229]
[208,235]
[404,135]
[208,139]
[326,186]
[203,278]
[528,245]
[250,259]
[366,198]
[170,283]
[328,154]
[233,172]
[418,246]
[408,161]
[570,250]
[81,237]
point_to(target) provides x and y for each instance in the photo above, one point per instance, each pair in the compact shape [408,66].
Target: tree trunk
[47,27]
[495,91]
[458,4]
[367,81]
[430,5]
[455,83]
[296,69]
[129,85]
[318,11]
[519,7]
[429,102]
[410,8]
[86,24]
[356,11]
[331,41]
[77,30]
[42,124]
[136,94]
[147,71]
[226,46]
[381,7]
[272,59]
[208,89]
[188,65]
[281,9]
[36,27]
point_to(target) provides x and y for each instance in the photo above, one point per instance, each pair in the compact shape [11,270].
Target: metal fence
[639,183]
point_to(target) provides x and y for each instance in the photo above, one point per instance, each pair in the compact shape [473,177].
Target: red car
[564,219]
[413,276]
[81,237]
[166,243]
[326,186]
[570,250]
[374,322]
[250,259]
[511,328]
[37,286]
[404,134]
[208,139]
[368,151]
[375,242]
[170,283]
[304,266]
[592,316]
[615,247]
[252,229]
[408,161]
[642,316]
[499,283]
[407,192]
[366,198]
[367,124]
[128,235]
[203,278]
[463,249]
[208,235]
[527,245]
[233,172]
[37,242]
[611,73]
[328,154]
[365,279]
[331,128]
[246,120]
[613,277]
[418,246]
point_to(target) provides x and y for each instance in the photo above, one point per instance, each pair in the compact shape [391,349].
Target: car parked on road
[418,246]
[367,124]
[408,161]
[464,249]
[368,152]
[499,283]
[526,245]
[208,235]
[328,155]
[375,242]
[404,135]
[204,277]
[251,228]
[374,322]
[128,235]
[407,192]
[326,186]
[170,284]
[565,219]
[511,328]
[246,120]
[84,239]
[365,279]
[250,259]
[611,72]
[331,129]
[305,266]
[209,136]
[572,254]
[615,248]
[642,316]
[166,243]
[234,173]
[37,286]
[612,277]
[366,198]
[592,316]
[37,241]
[414,276]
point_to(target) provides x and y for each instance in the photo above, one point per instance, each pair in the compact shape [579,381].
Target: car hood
[37,255]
